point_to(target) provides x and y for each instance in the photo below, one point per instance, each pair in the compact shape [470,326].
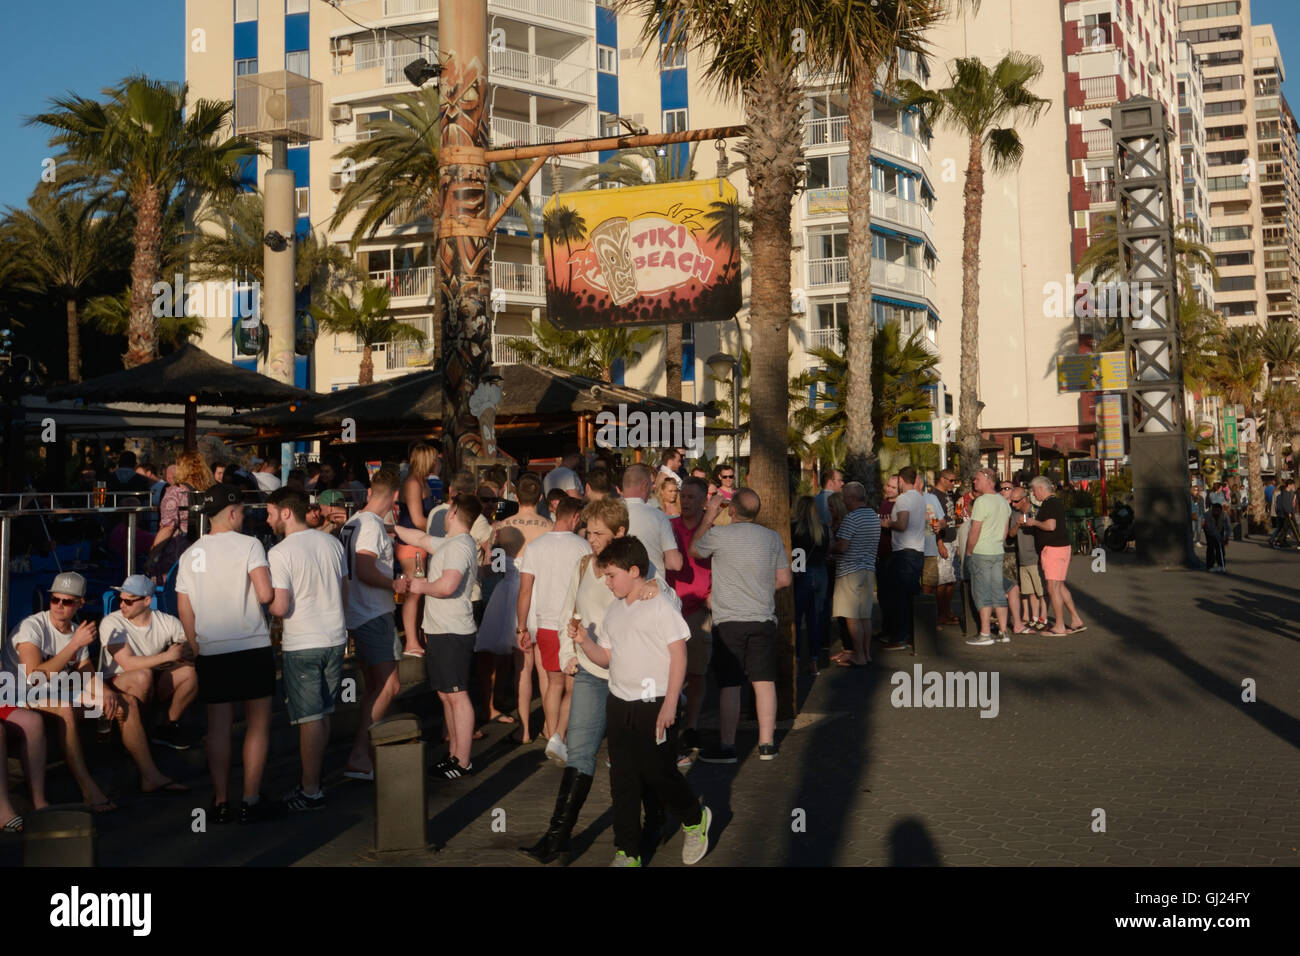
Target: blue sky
[84,45]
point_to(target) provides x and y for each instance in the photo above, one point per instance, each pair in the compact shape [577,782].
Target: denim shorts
[311,682]
[986,580]
[376,640]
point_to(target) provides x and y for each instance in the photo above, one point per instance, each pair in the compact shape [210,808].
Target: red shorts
[6,711]
[548,642]
[404,551]
[1055,562]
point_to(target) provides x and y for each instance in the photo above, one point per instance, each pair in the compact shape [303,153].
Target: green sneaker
[696,843]
[622,859]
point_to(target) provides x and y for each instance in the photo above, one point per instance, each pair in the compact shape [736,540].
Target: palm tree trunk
[142,328]
[1258,507]
[74,341]
[970,307]
[771,149]
[366,375]
[673,359]
[859,436]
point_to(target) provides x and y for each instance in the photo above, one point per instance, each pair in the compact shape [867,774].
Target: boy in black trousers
[643,644]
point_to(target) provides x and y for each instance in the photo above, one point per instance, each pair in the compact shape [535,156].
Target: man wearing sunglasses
[145,660]
[49,643]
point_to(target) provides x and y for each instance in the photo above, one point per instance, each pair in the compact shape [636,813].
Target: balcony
[893,142]
[503,353]
[901,278]
[905,212]
[827,338]
[1101,192]
[566,11]
[405,283]
[825,130]
[1099,37]
[543,71]
[519,279]
[833,271]
[509,132]
[409,8]
[1098,142]
[515,222]
[1100,90]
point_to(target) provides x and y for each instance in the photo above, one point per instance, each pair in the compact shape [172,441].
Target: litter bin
[62,835]
[399,783]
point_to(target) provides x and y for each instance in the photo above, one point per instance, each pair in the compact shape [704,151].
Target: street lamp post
[720,364]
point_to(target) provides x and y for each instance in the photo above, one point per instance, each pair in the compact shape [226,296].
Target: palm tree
[368,320]
[1237,368]
[978,100]
[227,246]
[142,143]
[563,224]
[593,352]
[61,250]
[395,171]
[1100,261]
[111,314]
[1280,347]
[638,167]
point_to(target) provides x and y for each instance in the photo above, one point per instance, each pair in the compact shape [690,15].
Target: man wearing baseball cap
[222,581]
[49,643]
[145,660]
[330,513]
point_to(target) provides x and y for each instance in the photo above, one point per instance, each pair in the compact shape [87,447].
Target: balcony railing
[512,219]
[406,8]
[1098,141]
[1103,191]
[834,271]
[1099,36]
[1098,90]
[404,355]
[896,143]
[519,278]
[825,130]
[825,339]
[543,71]
[901,278]
[503,353]
[509,132]
[569,11]
[906,212]
[402,283]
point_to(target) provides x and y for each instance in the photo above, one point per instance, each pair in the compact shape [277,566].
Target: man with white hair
[649,524]
[1053,541]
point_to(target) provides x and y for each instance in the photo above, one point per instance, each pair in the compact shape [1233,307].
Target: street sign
[1022,445]
[1084,469]
[1193,460]
[1092,371]
[1229,429]
[1110,426]
[916,433]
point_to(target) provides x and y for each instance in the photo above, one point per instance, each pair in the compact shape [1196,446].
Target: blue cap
[138,584]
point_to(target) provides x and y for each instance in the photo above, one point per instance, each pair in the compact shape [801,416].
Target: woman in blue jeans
[585,606]
[811,585]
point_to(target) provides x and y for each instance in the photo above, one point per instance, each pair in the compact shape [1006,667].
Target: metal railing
[1099,36]
[543,71]
[503,353]
[1100,89]
[520,278]
[828,338]
[902,278]
[905,212]
[825,130]
[406,8]
[420,281]
[1098,141]
[567,11]
[1103,191]
[832,271]
[510,132]
[896,143]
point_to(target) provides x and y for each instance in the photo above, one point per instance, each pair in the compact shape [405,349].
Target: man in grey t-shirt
[749,565]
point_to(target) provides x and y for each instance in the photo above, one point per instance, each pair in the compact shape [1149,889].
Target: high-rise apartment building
[1193,170]
[1279,179]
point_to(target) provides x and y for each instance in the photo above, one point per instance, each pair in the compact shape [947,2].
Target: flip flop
[15,825]
[412,653]
[848,663]
[171,786]
[502,719]
[1076,630]
[367,775]
[108,806]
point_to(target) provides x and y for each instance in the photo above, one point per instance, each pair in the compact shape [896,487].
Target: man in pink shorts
[1052,537]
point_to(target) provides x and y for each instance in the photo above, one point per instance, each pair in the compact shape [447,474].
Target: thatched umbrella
[190,377]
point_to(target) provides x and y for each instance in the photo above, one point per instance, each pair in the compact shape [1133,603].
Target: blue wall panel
[246,40]
[296,32]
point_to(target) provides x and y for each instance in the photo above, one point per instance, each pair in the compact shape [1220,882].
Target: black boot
[572,807]
[544,849]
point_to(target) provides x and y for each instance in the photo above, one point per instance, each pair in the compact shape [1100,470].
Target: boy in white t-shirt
[307,578]
[222,581]
[643,645]
[544,574]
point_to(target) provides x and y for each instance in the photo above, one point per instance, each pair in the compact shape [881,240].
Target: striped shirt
[746,557]
[861,528]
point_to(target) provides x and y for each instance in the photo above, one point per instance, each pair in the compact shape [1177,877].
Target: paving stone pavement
[1140,716]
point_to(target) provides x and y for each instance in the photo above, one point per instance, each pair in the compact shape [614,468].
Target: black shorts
[744,649]
[241,675]
[449,659]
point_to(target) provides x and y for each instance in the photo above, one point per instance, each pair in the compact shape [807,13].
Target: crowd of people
[617,592]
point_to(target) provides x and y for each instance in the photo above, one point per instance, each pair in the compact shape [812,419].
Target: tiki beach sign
[643,255]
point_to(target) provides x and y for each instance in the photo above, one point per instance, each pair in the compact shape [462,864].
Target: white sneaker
[696,841]
[984,640]
[1004,638]
[556,750]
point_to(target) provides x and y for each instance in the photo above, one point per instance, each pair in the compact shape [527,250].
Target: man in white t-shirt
[368,611]
[222,582]
[544,574]
[50,645]
[649,524]
[144,659]
[565,476]
[462,483]
[449,628]
[907,522]
[671,464]
[307,578]
[267,475]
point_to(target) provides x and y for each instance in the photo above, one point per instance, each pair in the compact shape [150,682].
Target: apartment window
[1233,157]
[1203,11]
[1229,233]
[828,245]
[1233,259]
[606,59]
[245,67]
[298,62]
[245,10]
[296,6]
[1219,133]
[828,171]
[1212,35]
[672,58]
[831,315]
[1219,183]
[1217,84]
[302,201]
[609,125]
[674,121]
[1235,309]
[1224,108]
[1235,284]
[1222,58]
